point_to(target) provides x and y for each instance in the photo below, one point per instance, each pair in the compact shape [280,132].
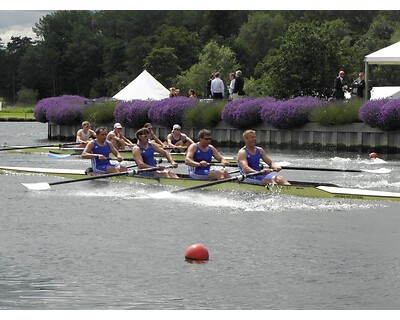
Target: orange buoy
[196,252]
[373,155]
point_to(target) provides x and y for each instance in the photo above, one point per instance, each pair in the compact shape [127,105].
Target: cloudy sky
[17,22]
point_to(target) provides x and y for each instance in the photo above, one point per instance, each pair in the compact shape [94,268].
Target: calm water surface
[120,245]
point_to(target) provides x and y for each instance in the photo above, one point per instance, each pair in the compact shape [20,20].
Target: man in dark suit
[339,86]
[239,85]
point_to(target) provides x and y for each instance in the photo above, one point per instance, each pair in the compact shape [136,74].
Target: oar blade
[37,186]
[58,156]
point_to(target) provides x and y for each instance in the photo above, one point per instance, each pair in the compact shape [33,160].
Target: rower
[143,154]
[249,161]
[176,139]
[98,150]
[199,156]
[153,136]
[117,138]
[84,134]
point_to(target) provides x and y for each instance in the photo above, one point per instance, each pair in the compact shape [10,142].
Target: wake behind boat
[297,188]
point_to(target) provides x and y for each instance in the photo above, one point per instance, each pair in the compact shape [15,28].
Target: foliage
[204,113]
[289,114]
[213,58]
[64,110]
[169,111]
[100,112]
[27,96]
[245,112]
[370,112]
[133,114]
[337,112]
[390,113]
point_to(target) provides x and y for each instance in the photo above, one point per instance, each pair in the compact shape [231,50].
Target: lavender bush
[289,114]
[370,112]
[133,113]
[63,110]
[244,113]
[390,115]
[169,111]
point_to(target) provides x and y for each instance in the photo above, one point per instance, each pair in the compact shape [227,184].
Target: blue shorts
[103,168]
[258,178]
[203,176]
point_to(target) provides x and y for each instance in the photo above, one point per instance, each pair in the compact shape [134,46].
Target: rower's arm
[114,151]
[218,156]
[87,152]
[242,160]
[164,153]
[268,161]
[137,156]
[189,157]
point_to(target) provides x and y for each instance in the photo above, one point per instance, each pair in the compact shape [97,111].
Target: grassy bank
[17,114]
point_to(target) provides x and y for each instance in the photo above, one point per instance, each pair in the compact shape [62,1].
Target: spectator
[238,91]
[217,87]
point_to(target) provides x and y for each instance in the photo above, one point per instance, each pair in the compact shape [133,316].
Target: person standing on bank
[118,140]
[249,161]
[208,86]
[143,153]
[217,87]
[360,85]
[238,91]
[98,151]
[199,156]
[339,87]
[231,86]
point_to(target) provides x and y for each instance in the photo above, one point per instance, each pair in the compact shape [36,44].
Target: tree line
[282,54]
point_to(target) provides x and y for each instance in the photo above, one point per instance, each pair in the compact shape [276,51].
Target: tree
[213,58]
[162,63]
[305,63]
[258,36]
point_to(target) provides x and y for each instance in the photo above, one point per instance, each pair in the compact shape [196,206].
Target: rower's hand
[162,167]
[174,164]
[203,163]
[119,158]
[276,168]
[102,157]
[225,163]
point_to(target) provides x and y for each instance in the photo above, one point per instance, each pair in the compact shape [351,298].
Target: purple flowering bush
[289,114]
[244,113]
[63,110]
[167,112]
[133,113]
[370,112]
[390,115]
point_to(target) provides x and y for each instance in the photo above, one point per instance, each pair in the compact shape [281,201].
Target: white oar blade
[37,186]
[282,163]
[381,170]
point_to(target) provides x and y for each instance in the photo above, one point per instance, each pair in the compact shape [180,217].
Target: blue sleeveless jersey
[148,155]
[254,162]
[105,151]
[198,156]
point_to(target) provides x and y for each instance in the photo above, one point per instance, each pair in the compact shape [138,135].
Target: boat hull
[302,189]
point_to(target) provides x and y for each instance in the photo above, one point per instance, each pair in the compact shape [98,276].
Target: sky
[18,17]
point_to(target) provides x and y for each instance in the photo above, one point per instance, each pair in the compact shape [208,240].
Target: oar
[213,183]
[381,170]
[62,156]
[60,145]
[46,185]
[215,163]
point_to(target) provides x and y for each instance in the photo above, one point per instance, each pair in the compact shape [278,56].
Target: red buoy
[196,252]
[373,155]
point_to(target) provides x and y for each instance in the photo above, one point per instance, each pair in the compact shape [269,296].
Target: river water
[120,245]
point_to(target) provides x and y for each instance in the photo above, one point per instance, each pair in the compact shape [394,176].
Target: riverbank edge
[357,137]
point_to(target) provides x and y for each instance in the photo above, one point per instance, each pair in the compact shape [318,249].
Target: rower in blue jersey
[98,151]
[199,156]
[249,161]
[178,140]
[143,153]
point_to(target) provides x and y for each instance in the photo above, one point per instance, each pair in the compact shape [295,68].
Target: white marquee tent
[143,87]
[388,55]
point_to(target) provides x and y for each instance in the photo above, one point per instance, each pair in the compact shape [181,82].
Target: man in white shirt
[217,87]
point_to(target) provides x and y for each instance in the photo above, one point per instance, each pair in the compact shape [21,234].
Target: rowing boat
[297,188]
